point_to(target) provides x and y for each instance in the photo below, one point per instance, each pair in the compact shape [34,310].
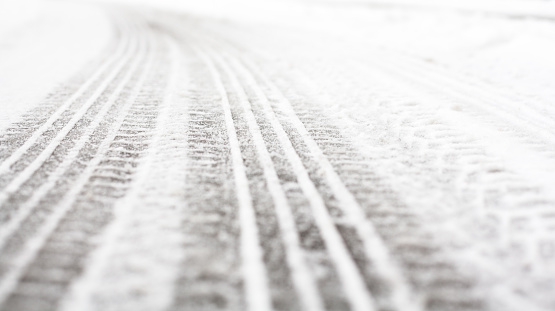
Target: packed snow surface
[277,155]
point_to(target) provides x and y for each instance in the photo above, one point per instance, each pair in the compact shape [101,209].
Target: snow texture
[277,155]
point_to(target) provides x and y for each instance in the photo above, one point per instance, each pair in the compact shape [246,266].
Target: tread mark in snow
[38,249]
[255,278]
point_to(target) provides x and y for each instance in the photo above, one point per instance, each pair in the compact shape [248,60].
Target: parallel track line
[256,282]
[375,248]
[16,156]
[23,176]
[353,283]
[80,293]
[25,209]
[303,280]
[9,281]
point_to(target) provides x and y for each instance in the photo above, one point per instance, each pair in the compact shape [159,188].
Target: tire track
[15,136]
[21,143]
[275,264]
[210,278]
[254,272]
[279,274]
[310,299]
[303,281]
[146,221]
[49,144]
[400,296]
[14,262]
[320,209]
[31,190]
[391,218]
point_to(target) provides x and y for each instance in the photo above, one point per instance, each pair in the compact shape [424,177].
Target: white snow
[41,45]
[452,101]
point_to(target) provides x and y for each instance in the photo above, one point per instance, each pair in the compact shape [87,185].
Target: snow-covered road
[277,155]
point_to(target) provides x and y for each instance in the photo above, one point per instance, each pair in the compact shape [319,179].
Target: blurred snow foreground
[277,155]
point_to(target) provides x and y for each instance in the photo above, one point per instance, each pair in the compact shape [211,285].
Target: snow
[445,106]
[41,45]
